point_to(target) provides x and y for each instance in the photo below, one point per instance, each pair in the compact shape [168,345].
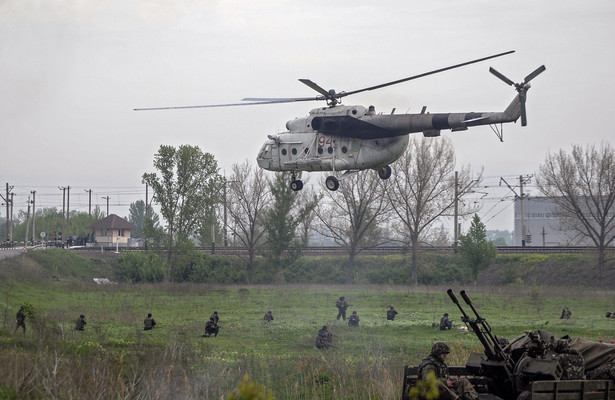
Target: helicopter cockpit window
[265,150]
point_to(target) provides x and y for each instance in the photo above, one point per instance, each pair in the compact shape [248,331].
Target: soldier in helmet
[449,389]
[324,338]
[268,317]
[354,319]
[445,323]
[149,323]
[80,323]
[391,313]
[341,305]
[565,313]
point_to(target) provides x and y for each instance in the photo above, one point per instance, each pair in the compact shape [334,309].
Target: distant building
[112,231]
[543,226]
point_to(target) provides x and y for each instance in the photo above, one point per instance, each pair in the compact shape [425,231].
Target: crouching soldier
[211,328]
[324,338]
[449,389]
[149,323]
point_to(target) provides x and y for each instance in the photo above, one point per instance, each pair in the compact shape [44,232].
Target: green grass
[115,358]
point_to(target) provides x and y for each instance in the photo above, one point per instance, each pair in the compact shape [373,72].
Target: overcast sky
[71,73]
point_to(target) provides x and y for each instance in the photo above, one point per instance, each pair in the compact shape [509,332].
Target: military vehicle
[528,367]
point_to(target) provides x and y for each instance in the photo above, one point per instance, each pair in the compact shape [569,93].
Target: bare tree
[249,194]
[351,215]
[423,190]
[582,185]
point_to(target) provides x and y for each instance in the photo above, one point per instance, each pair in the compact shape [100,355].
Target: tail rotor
[520,87]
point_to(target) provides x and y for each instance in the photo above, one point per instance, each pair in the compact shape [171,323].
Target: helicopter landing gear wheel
[332,183]
[296,185]
[384,172]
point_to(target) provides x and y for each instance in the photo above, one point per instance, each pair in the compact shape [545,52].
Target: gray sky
[72,72]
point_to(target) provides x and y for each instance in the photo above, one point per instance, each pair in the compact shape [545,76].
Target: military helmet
[446,314]
[439,348]
[608,314]
[82,316]
[149,315]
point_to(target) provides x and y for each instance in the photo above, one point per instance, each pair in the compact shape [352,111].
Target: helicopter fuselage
[342,138]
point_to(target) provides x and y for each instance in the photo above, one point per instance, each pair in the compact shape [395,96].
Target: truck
[525,368]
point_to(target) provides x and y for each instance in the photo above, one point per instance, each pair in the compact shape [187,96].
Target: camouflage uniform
[571,361]
[391,313]
[149,323]
[21,320]
[610,314]
[354,319]
[324,338]
[606,371]
[341,306]
[434,363]
[80,323]
[565,313]
[445,323]
[215,317]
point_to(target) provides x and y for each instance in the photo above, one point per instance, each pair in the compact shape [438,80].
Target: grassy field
[115,358]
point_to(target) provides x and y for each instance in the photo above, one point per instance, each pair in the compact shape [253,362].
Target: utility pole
[27,223]
[11,234]
[63,189]
[89,192]
[7,202]
[456,229]
[33,216]
[521,197]
[107,198]
[67,213]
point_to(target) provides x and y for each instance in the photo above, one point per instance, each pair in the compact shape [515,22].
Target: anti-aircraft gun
[507,374]
[500,372]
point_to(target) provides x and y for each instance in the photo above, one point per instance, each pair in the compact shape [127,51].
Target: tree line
[260,212]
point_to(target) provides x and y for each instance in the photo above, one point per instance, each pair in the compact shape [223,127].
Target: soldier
[445,323]
[80,323]
[391,313]
[211,328]
[565,313]
[268,317]
[354,319]
[215,317]
[341,306]
[21,320]
[149,323]
[610,314]
[324,338]
[571,361]
[449,388]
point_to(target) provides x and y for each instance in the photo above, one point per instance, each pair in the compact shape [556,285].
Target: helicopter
[354,138]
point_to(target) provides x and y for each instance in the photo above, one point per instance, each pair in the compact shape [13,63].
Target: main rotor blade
[250,103]
[534,74]
[502,77]
[315,87]
[426,74]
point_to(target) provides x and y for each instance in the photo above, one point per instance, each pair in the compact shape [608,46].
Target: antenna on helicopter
[520,87]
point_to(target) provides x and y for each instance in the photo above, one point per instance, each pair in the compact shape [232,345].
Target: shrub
[140,267]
